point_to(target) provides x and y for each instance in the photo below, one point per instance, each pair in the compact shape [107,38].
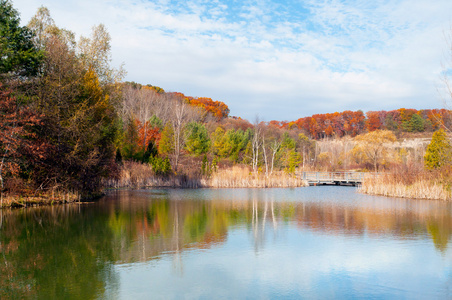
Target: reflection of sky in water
[291,260]
[298,264]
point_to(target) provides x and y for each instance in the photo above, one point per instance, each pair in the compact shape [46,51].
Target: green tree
[439,151]
[166,144]
[231,143]
[156,122]
[287,154]
[196,138]
[160,166]
[217,140]
[129,140]
[293,160]
[390,124]
[235,142]
[19,56]
[415,124]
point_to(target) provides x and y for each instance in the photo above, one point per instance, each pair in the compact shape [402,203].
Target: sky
[271,59]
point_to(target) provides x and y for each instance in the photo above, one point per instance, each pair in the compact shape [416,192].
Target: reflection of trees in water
[259,227]
[175,225]
[55,253]
[203,224]
[70,249]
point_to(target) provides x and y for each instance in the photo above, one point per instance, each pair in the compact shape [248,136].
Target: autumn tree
[140,105]
[79,120]
[373,121]
[374,145]
[16,136]
[439,151]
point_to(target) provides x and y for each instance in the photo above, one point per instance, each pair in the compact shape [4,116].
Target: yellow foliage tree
[374,145]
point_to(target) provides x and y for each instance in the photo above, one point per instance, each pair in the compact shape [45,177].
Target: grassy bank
[56,197]
[410,183]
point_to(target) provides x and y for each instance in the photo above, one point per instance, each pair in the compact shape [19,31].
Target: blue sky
[275,59]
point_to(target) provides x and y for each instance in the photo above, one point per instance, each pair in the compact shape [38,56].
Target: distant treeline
[352,123]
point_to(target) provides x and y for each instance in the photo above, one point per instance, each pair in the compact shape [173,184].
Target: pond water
[309,243]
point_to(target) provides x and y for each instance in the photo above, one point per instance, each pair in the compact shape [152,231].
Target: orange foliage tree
[217,108]
[352,123]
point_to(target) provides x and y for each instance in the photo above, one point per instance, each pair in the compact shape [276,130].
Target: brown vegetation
[242,177]
[54,196]
[410,182]
[138,175]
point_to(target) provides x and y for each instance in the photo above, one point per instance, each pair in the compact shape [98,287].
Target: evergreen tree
[196,138]
[439,151]
[293,160]
[417,123]
[18,54]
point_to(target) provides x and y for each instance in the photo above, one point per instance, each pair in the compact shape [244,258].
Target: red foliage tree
[16,138]
[373,121]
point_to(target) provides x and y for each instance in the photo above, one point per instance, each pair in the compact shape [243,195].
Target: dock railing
[336,177]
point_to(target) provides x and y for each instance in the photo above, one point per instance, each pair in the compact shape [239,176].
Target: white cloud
[278,61]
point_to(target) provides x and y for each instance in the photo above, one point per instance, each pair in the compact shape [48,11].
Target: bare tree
[271,143]
[40,24]
[256,144]
[95,52]
[140,104]
[182,114]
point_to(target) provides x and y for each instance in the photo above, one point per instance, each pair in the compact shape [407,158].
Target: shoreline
[177,182]
[420,189]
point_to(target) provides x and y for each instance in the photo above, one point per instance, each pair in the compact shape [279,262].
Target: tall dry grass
[241,177]
[137,175]
[415,183]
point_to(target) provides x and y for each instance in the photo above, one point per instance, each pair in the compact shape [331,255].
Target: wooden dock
[334,178]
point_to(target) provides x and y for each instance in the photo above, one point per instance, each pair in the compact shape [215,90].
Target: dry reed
[241,177]
[413,184]
[137,175]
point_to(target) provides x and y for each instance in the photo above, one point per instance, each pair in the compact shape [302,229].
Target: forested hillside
[352,123]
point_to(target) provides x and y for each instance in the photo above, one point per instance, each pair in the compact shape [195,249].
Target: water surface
[311,243]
